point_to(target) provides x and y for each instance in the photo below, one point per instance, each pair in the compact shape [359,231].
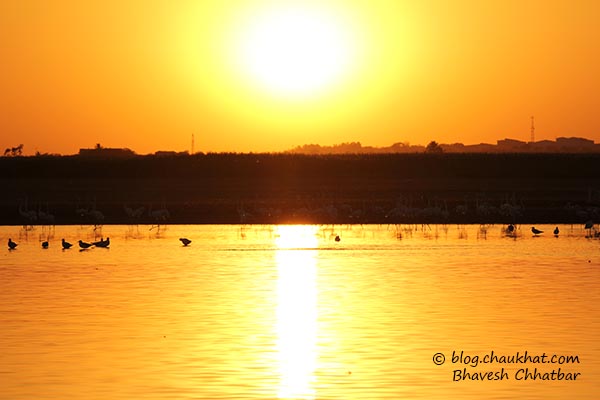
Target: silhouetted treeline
[288,165]
[277,188]
[560,145]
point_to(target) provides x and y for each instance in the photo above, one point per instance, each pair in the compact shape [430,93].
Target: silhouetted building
[511,146]
[543,146]
[575,144]
[453,148]
[482,148]
[105,152]
[561,145]
[163,153]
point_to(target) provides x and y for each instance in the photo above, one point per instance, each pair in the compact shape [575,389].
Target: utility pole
[192,145]
[532,130]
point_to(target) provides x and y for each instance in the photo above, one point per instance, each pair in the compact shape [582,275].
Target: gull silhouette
[102,243]
[185,241]
[536,231]
[66,245]
[45,245]
[11,245]
[556,231]
[84,245]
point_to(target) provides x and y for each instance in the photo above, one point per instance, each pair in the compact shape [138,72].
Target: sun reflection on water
[296,325]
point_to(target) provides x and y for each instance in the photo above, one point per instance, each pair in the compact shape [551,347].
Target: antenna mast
[532,130]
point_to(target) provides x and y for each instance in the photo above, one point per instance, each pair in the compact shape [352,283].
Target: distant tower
[192,144]
[532,130]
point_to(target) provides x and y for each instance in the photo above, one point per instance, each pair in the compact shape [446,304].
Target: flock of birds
[536,231]
[102,243]
[105,243]
[589,225]
[510,229]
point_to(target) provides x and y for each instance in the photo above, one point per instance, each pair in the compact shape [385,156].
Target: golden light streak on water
[289,312]
[296,325]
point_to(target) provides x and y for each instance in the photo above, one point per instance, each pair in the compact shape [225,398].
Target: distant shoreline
[560,145]
[286,188]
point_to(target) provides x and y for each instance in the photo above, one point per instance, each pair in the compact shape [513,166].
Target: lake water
[287,312]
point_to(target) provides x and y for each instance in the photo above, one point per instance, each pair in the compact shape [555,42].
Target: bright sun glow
[295,51]
[296,237]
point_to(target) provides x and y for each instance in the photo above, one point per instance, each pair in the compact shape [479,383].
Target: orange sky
[147,74]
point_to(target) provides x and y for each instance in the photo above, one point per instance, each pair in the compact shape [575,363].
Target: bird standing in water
[45,245]
[66,245]
[556,231]
[84,245]
[103,243]
[185,241]
[536,231]
[11,245]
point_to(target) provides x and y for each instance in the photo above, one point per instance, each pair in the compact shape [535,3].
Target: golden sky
[261,75]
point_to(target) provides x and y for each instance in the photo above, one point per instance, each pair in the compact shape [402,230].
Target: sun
[295,51]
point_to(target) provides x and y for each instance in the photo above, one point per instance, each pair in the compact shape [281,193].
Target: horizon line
[506,144]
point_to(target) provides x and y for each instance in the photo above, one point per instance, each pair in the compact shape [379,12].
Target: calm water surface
[286,312]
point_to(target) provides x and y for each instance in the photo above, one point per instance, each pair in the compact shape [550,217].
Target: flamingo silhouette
[45,217]
[134,214]
[589,225]
[159,215]
[29,215]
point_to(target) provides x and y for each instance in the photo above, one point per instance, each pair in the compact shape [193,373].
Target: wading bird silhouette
[30,216]
[158,216]
[84,245]
[536,231]
[102,243]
